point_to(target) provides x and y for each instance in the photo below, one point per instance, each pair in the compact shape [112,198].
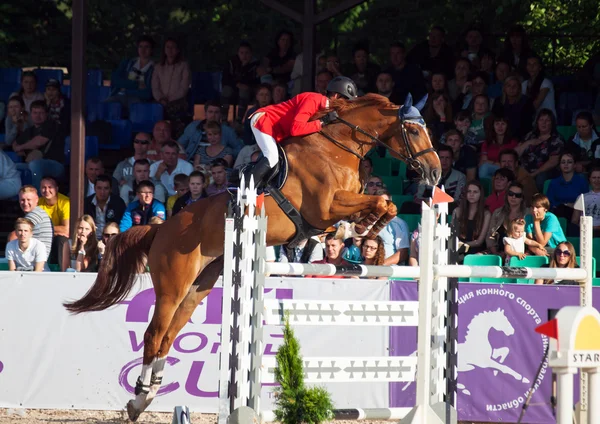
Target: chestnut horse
[185,254]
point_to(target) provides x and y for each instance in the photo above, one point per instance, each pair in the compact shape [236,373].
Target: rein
[410,160]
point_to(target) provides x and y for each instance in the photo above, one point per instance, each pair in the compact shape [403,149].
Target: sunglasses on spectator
[562,252]
[375,183]
[513,194]
[141,141]
[108,235]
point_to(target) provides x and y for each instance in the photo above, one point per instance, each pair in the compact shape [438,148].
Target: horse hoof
[133,413]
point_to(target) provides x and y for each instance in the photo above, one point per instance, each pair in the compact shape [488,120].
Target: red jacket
[290,119]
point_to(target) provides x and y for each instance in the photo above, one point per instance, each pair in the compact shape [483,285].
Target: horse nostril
[436,174]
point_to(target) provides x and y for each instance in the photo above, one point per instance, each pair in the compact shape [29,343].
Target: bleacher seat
[566,131]
[11,75]
[43,75]
[578,260]
[399,199]
[26,176]
[394,185]
[596,282]
[570,101]
[94,77]
[66,90]
[412,220]
[121,134]
[143,116]
[104,111]
[12,155]
[529,262]
[487,185]
[563,224]
[91,148]
[7,88]
[205,86]
[96,94]
[382,167]
[482,260]
[575,242]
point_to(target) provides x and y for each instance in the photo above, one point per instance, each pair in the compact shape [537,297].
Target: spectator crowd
[491,114]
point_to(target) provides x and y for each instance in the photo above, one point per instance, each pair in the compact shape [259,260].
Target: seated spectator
[395,236]
[239,80]
[438,114]
[374,184]
[472,219]
[182,185]
[513,208]
[541,149]
[502,178]
[215,150]
[585,144]
[194,134]
[562,257]
[333,251]
[385,87]
[476,85]
[141,172]
[10,179]
[161,133]
[264,97]
[333,64]
[131,82]
[373,253]
[165,170]
[497,138]
[462,124]
[93,168]
[517,50]
[566,188]
[28,91]
[473,48]
[488,66]
[591,201]
[59,106]
[509,159]
[413,259]
[17,120]
[501,72]
[439,83]
[322,80]
[517,108]
[140,211]
[197,191]
[124,171]
[101,206]
[307,251]
[280,93]
[218,171]
[26,253]
[42,145]
[247,155]
[84,246]
[433,56]
[515,241]
[456,86]
[362,71]
[539,88]
[110,230]
[543,226]
[58,208]
[171,81]
[407,76]
[479,119]
[42,226]
[280,60]
[465,158]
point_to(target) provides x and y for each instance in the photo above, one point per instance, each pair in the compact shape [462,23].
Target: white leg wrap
[267,143]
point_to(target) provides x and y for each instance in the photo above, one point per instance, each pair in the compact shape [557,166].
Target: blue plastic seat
[205,86]
[6,89]
[12,155]
[26,176]
[94,77]
[11,75]
[121,135]
[66,90]
[91,148]
[43,75]
[105,111]
[143,116]
[96,94]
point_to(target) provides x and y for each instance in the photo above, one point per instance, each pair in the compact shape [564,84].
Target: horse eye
[413,131]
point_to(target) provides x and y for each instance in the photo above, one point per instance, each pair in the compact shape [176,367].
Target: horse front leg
[371,208]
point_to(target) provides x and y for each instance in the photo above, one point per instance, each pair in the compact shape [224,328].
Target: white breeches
[266,142]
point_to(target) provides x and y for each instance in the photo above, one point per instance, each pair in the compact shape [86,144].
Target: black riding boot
[261,172]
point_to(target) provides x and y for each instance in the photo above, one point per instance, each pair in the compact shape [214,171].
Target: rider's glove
[329,118]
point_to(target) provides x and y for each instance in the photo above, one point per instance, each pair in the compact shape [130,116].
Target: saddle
[273,186]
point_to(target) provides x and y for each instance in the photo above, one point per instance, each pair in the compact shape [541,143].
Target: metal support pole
[564,404]
[594,395]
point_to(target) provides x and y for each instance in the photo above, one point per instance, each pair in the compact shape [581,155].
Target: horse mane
[342,106]
[481,315]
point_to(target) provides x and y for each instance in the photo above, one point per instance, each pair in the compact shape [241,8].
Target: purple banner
[498,350]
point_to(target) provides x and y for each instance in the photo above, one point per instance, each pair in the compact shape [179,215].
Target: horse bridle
[410,160]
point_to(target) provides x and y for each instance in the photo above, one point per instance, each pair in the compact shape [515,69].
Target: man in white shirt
[141,172]
[165,170]
[25,253]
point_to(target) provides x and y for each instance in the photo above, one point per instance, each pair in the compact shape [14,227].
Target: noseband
[410,159]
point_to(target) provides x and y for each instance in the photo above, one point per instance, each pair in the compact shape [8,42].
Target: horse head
[500,322]
[374,120]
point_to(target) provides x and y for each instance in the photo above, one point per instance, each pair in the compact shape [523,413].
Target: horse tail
[125,256]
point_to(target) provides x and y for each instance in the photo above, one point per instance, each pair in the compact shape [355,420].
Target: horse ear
[408,101]
[421,104]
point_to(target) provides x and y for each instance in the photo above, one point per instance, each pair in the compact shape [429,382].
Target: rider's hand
[329,118]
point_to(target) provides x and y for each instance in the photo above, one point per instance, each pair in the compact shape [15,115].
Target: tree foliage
[35,32]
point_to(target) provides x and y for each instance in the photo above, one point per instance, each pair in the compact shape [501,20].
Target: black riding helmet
[343,86]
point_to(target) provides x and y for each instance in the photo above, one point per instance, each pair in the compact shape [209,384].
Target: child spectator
[566,188]
[472,218]
[215,150]
[543,226]
[481,111]
[497,138]
[84,246]
[585,143]
[514,243]
[563,257]
[26,253]
[140,211]
[197,190]
[182,183]
[28,91]
[465,157]
[17,120]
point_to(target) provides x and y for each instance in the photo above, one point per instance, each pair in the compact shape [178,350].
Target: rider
[273,124]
